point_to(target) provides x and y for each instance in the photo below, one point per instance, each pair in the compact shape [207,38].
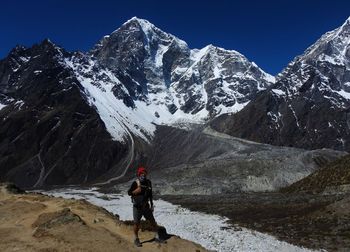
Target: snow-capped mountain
[161,81]
[325,67]
[309,104]
[49,134]
[82,117]
[139,76]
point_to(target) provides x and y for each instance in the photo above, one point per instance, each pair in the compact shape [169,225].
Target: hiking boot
[137,242]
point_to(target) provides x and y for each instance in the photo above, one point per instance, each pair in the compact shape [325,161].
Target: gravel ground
[314,221]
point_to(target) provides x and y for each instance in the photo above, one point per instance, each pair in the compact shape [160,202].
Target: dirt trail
[35,222]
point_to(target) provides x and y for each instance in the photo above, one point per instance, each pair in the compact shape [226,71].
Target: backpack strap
[149,184]
[138,182]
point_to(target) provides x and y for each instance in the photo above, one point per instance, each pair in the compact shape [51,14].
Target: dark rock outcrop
[49,134]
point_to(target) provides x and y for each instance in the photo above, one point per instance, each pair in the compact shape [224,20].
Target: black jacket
[145,195]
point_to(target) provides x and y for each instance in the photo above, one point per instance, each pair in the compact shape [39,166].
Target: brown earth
[35,222]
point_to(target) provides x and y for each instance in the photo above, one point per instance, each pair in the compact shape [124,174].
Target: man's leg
[137,218]
[136,230]
[149,216]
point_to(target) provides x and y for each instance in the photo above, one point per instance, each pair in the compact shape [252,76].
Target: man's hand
[137,191]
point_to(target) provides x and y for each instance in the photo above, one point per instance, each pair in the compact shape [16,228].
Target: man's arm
[138,188]
[134,189]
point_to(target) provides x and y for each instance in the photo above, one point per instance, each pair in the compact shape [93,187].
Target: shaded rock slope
[49,134]
[332,179]
[204,161]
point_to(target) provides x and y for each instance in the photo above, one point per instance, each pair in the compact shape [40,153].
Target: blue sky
[270,33]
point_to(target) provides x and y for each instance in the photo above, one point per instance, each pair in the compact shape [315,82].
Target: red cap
[141,170]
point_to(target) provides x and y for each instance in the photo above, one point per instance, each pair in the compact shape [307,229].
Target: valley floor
[209,230]
[314,221]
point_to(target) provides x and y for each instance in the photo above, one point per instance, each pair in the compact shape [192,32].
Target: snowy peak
[142,25]
[308,106]
[25,62]
[139,25]
[242,65]
[160,80]
[140,33]
[136,25]
[324,68]
[150,30]
[222,81]
[135,20]
[334,43]
[142,53]
[346,25]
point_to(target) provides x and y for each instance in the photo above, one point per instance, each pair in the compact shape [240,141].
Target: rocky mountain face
[73,118]
[146,77]
[49,134]
[87,118]
[159,68]
[308,106]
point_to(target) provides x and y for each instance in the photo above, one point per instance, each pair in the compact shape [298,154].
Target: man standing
[141,194]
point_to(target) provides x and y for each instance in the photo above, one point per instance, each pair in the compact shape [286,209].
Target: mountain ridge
[308,106]
[147,67]
[92,117]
